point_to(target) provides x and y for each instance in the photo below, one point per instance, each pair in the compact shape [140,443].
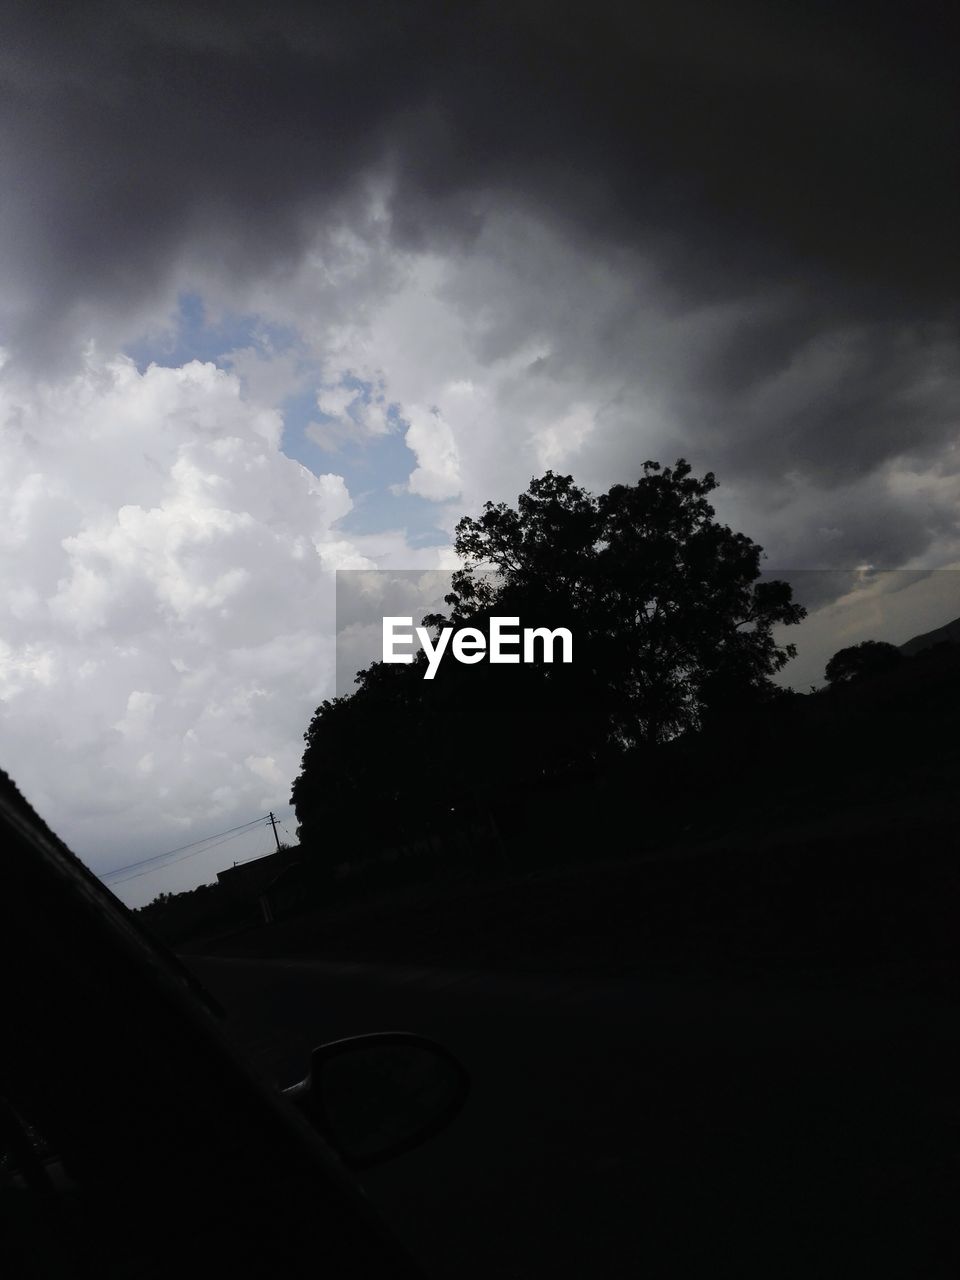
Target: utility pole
[273,823]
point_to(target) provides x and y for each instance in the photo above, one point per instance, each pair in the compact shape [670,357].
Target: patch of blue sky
[342,443]
[192,335]
[299,409]
[377,510]
[375,467]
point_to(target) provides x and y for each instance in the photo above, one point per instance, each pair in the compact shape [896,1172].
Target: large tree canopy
[670,622]
[665,601]
[868,658]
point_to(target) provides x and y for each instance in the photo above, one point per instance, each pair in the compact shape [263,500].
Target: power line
[173,861]
[180,848]
[157,857]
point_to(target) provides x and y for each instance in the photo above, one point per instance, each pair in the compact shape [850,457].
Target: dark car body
[157,1152]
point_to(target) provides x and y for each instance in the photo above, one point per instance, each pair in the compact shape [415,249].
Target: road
[621,1128]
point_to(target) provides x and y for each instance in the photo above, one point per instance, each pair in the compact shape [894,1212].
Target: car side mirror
[376,1096]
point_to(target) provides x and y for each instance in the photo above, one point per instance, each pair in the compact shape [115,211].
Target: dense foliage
[671,624]
[870,657]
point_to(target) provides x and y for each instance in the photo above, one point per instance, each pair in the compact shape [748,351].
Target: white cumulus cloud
[431,439]
[166,604]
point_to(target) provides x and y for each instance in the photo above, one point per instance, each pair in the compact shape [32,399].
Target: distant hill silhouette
[949,634]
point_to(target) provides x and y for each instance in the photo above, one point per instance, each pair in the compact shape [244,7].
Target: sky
[291,288]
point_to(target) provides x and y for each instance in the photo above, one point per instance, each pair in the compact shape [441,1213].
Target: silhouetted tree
[663,600]
[868,658]
[669,623]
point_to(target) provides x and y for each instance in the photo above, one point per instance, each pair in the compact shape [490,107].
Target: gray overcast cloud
[477,240]
[742,146]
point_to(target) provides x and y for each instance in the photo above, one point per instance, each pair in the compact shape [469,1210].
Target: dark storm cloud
[757,140]
[828,399]
[134,141]
[736,142]
[789,167]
